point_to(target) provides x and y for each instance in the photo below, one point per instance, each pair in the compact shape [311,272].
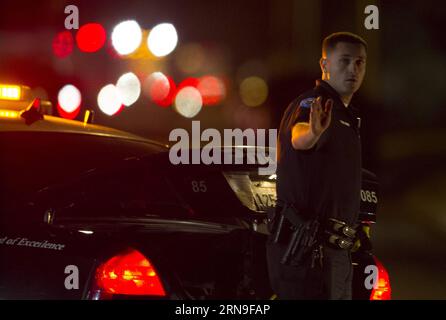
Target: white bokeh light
[188,102]
[109,100]
[69,98]
[162,39]
[129,88]
[126,37]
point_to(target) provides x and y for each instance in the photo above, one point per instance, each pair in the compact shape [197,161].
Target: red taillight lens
[129,273]
[382,290]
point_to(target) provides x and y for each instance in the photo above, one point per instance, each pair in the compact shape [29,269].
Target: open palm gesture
[320,117]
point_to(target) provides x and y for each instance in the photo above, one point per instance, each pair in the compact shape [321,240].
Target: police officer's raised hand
[304,135]
[320,116]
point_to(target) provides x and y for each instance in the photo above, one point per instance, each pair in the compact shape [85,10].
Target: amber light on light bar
[8,114]
[10,92]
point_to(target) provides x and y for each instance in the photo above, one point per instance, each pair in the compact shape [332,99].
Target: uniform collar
[334,94]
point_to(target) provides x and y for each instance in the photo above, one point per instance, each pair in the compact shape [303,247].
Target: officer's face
[346,67]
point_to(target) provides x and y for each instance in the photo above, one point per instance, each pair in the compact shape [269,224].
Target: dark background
[402,100]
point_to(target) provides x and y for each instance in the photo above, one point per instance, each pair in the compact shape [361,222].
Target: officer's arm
[302,137]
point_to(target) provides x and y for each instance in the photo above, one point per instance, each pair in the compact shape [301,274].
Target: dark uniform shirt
[324,181]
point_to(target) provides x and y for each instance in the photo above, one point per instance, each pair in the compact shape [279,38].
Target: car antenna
[89,116]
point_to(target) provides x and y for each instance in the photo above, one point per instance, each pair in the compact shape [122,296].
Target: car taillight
[129,273]
[382,291]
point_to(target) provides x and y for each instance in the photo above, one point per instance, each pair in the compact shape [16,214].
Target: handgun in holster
[280,228]
[301,243]
[299,235]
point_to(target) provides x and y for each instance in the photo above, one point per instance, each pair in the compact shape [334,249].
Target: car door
[41,261]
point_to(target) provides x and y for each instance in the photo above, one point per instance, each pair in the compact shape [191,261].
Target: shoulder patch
[306,103]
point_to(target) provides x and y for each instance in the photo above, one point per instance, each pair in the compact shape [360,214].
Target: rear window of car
[132,189]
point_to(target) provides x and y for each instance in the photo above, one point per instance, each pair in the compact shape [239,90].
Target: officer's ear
[323,64]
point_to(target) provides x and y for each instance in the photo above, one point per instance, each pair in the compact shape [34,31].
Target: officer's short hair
[333,39]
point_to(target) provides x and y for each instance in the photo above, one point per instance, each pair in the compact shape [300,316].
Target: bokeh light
[126,37]
[129,88]
[162,39]
[109,100]
[63,44]
[67,115]
[160,89]
[91,37]
[212,90]
[190,58]
[142,54]
[253,91]
[69,98]
[188,102]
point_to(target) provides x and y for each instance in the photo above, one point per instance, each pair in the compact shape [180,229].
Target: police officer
[319,177]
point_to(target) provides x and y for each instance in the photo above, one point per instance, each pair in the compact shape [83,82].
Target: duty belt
[336,233]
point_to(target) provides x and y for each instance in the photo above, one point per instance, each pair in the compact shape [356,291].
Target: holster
[299,235]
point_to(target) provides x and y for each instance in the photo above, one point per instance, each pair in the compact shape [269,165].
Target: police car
[90,212]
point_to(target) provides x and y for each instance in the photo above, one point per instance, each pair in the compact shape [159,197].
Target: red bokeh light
[63,44]
[188,82]
[162,89]
[68,115]
[119,110]
[212,90]
[91,37]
